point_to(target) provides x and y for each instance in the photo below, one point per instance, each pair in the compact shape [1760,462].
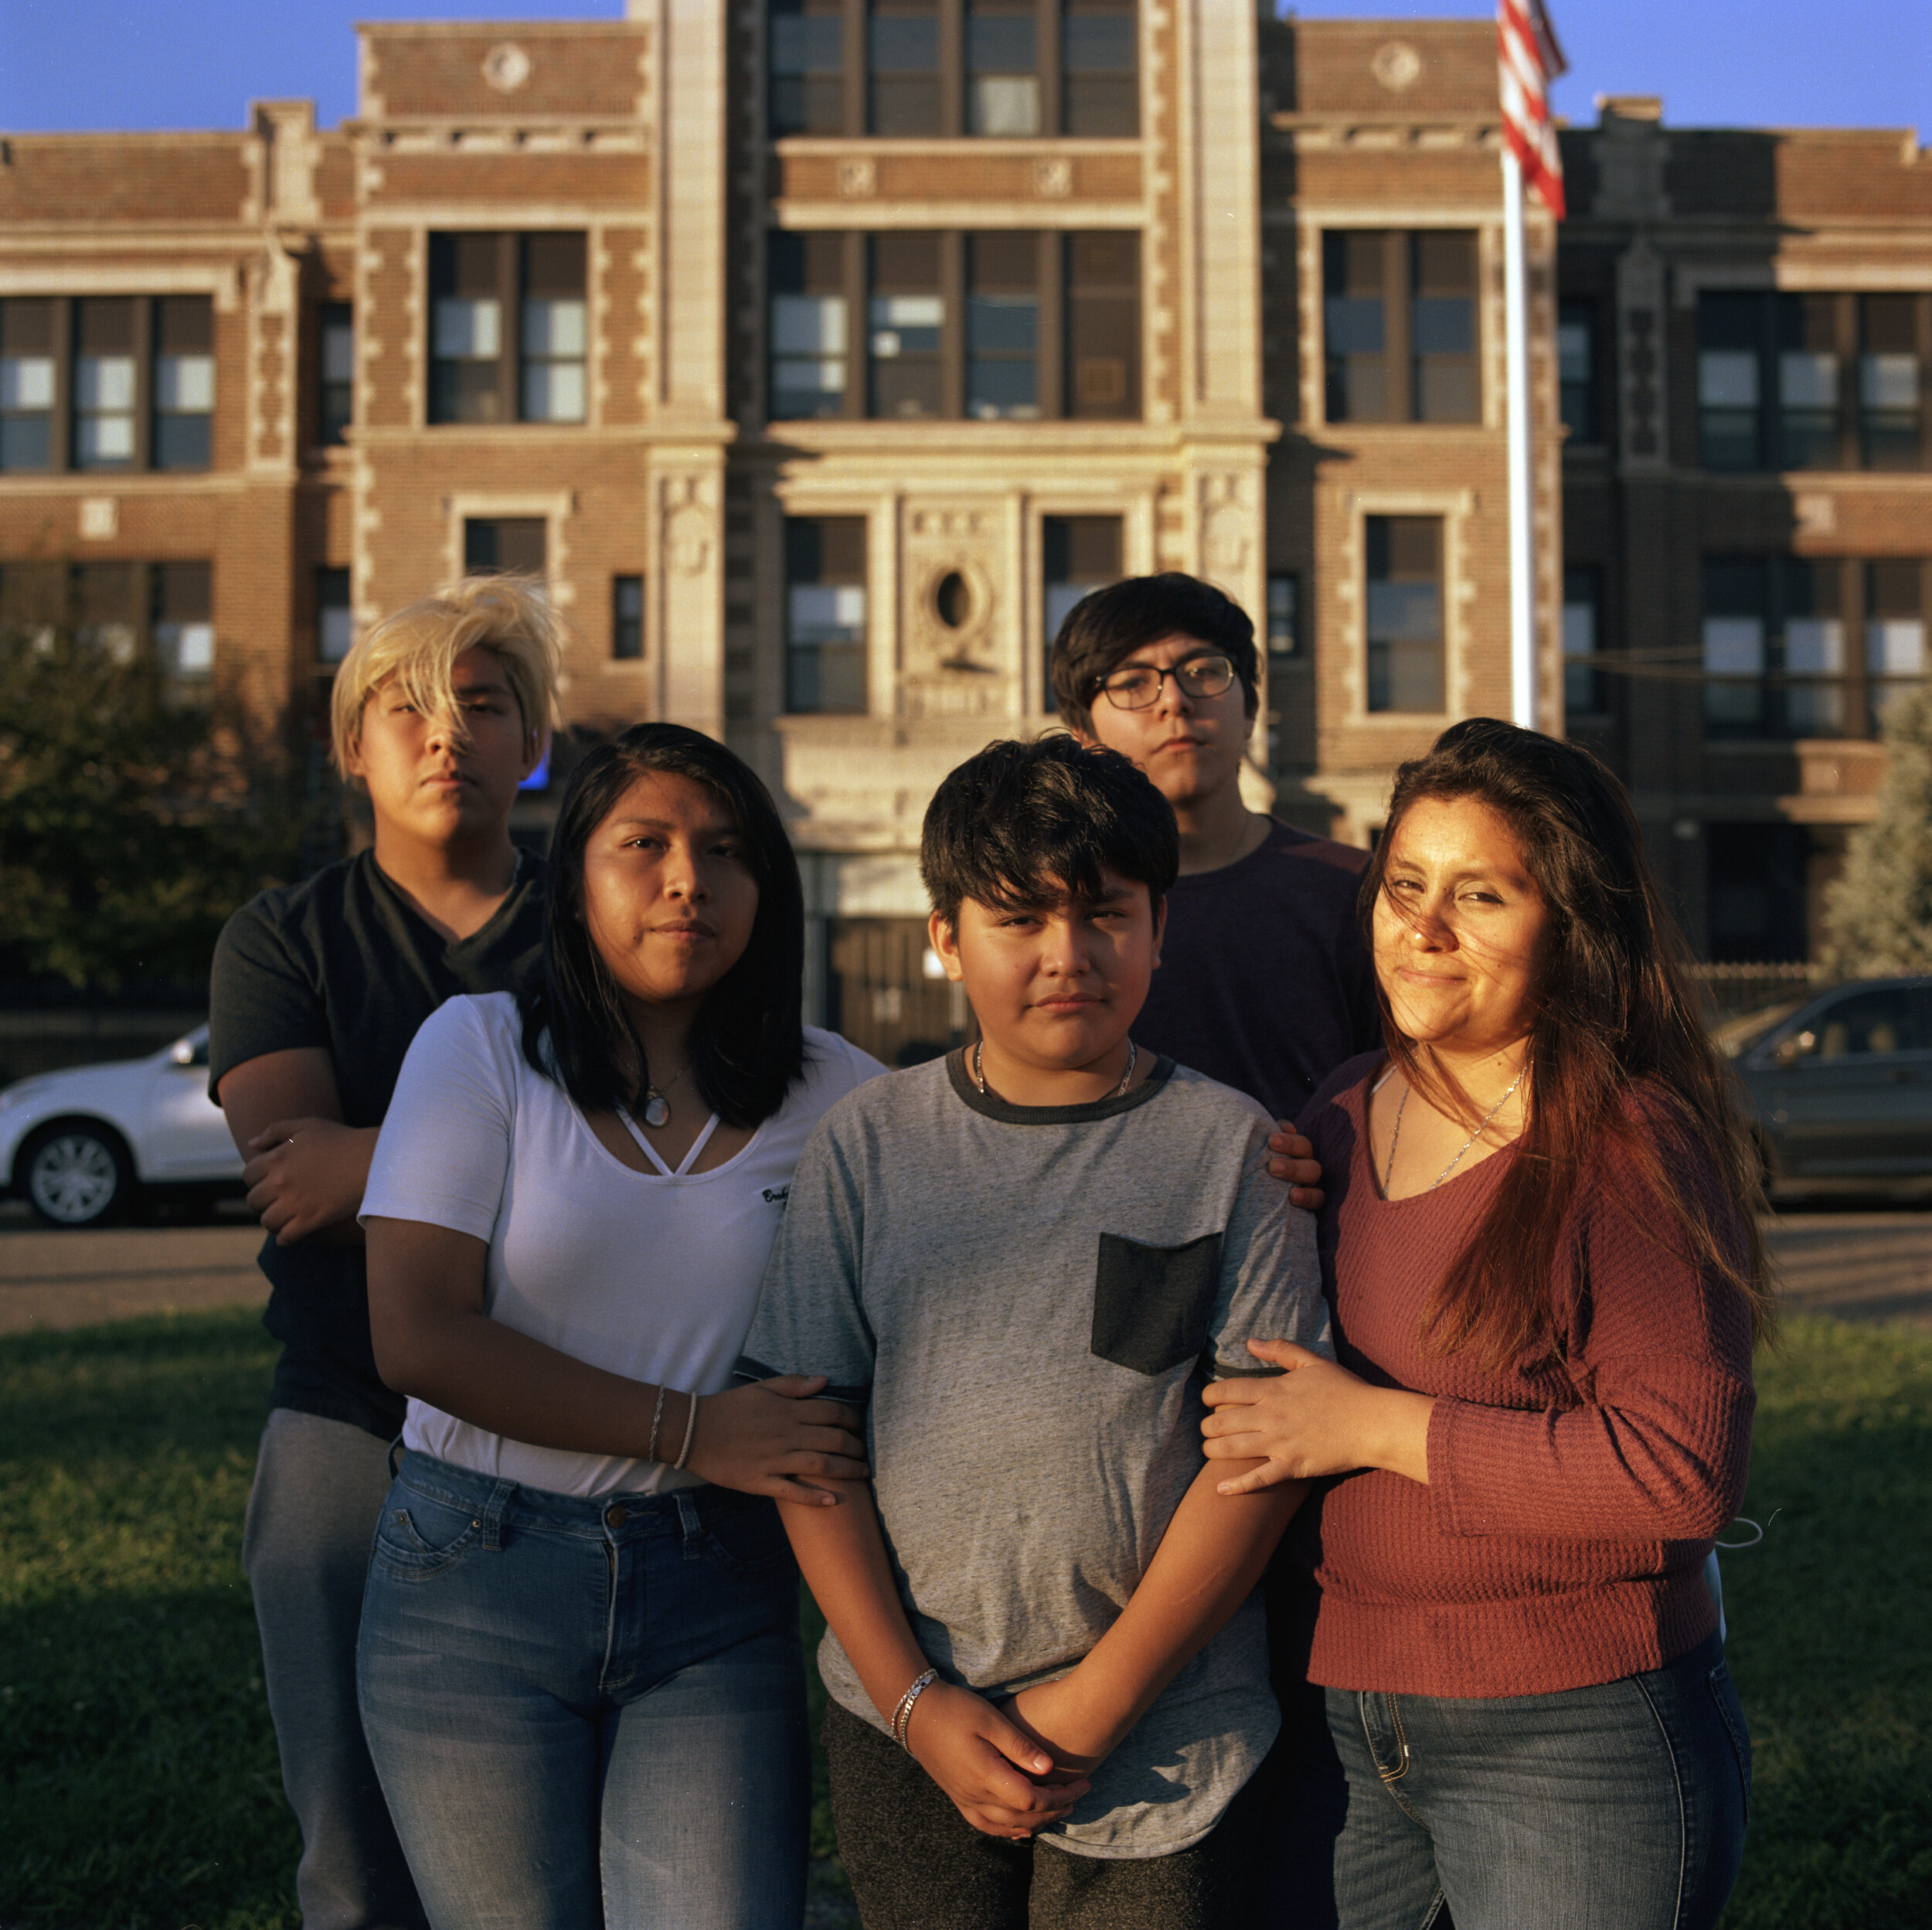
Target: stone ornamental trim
[1396,65]
[506,66]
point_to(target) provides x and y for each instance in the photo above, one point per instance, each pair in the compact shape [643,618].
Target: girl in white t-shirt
[578,1665]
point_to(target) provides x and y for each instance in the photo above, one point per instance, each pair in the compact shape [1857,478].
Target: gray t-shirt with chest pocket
[1030,1299]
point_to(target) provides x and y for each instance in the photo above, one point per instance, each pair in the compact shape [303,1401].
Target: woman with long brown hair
[1541,1245]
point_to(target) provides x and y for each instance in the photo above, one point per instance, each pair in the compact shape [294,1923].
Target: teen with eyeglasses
[1264,984]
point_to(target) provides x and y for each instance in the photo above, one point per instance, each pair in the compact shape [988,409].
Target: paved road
[1857,1266]
[52,1279]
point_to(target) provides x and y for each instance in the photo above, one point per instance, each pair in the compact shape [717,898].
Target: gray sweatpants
[319,1488]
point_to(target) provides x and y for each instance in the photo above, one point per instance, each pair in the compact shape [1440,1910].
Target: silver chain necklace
[657,1103]
[1133,1053]
[1388,1166]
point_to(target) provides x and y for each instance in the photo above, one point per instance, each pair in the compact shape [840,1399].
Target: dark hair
[747,1041]
[1106,625]
[1625,1083]
[1022,823]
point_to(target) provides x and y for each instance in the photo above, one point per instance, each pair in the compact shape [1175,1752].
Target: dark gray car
[1840,1085]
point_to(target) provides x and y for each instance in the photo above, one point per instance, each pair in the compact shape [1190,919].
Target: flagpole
[1522,573]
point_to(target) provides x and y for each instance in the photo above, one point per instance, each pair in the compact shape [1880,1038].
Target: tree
[1878,912]
[126,836]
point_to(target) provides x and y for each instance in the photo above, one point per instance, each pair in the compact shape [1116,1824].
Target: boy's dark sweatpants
[916,1864]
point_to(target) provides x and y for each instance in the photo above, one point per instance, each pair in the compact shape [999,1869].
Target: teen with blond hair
[440,712]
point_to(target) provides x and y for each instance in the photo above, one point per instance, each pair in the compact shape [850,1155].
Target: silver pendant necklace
[657,1107]
[1133,1053]
[1395,1136]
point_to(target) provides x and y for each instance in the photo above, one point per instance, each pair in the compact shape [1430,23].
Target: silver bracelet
[690,1428]
[903,1715]
[657,1417]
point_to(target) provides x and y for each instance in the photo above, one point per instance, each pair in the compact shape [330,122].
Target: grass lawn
[138,1785]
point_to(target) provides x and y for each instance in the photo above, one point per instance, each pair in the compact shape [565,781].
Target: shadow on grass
[1828,1634]
[138,1783]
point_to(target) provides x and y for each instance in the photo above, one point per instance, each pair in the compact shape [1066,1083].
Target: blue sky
[172,63]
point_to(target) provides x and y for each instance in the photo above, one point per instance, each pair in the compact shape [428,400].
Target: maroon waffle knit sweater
[1560,1538]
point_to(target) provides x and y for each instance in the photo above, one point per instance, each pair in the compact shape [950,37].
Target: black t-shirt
[1263,983]
[341,960]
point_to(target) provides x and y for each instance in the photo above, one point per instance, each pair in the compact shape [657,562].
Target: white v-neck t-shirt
[652,1275]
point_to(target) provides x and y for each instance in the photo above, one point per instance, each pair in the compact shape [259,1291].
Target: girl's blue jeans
[1620,1806]
[588,1713]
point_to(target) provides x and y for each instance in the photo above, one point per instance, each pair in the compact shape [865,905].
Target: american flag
[1530,59]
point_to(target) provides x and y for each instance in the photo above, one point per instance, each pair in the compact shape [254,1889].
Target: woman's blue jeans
[588,1713]
[1618,1807]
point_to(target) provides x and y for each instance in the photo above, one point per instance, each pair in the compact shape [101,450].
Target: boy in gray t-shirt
[1028,1259]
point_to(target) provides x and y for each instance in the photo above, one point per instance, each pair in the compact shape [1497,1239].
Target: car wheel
[76,1175]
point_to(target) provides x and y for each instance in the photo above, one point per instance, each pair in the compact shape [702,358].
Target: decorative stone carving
[1396,65]
[1053,180]
[858,177]
[950,607]
[506,66]
[1227,534]
[1640,355]
[687,539]
[99,519]
[1817,515]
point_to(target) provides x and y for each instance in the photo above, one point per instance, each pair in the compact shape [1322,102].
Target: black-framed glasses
[1138,686]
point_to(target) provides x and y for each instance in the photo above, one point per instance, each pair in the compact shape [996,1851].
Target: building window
[113,382]
[505,546]
[334,616]
[1399,322]
[1576,370]
[28,386]
[627,618]
[1404,607]
[1100,68]
[825,613]
[1895,610]
[553,339]
[1077,554]
[1775,662]
[1583,681]
[902,46]
[1812,381]
[1730,358]
[809,334]
[1284,616]
[1008,326]
[1103,326]
[337,358]
[1891,356]
[1809,420]
[1003,69]
[183,629]
[1003,328]
[162,611]
[906,314]
[105,367]
[807,53]
[109,607]
[183,381]
[507,328]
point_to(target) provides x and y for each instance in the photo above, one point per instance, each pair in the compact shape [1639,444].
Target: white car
[79,1146]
